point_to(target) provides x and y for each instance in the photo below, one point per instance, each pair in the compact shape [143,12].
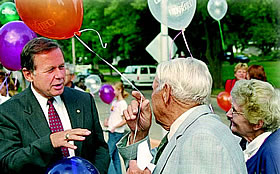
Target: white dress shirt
[60,109]
[3,98]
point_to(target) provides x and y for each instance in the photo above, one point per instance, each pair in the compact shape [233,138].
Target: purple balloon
[13,36]
[106,93]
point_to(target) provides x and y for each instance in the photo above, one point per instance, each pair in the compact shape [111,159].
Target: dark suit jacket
[25,144]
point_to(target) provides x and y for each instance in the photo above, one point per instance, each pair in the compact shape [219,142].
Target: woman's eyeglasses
[234,112]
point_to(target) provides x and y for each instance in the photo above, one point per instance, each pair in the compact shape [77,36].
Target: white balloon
[217,8]
[93,83]
[176,14]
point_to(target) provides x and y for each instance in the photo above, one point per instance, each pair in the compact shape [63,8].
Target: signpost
[159,48]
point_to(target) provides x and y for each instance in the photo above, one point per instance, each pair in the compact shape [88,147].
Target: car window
[130,70]
[134,70]
[144,70]
[152,70]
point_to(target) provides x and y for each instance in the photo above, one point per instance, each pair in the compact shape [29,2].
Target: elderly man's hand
[145,116]
[133,169]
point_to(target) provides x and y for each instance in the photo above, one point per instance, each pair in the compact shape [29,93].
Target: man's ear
[166,93]
[259,125]
[28,74]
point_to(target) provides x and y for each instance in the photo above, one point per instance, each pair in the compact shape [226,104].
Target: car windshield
[130,70]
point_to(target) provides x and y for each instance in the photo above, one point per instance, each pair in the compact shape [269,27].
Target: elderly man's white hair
[189,79]
[70,67]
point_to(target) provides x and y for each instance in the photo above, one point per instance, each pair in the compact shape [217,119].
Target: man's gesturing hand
[60,139]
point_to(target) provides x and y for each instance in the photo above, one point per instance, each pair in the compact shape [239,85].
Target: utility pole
[164,46]
[73,51]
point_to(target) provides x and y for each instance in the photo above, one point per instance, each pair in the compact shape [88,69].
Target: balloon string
[221,33]
[186,43]
[2,84]
[7,89]
[7,85]
[170,54]
[139,108]
[136,127]
[16,79]
[101,42]
[82,42]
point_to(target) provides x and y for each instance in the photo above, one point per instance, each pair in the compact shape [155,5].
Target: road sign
[155,48]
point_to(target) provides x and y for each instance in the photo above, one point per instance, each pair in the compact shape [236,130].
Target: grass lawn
[112,79]
[271,69]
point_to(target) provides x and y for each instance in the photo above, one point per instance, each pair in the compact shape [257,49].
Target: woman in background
[240,72]
[255,115]
[256,72]
[116,126]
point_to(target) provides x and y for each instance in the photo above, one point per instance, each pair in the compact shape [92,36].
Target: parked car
[81,76]
[228,56]
[96,72]
[139,75]
[241,58]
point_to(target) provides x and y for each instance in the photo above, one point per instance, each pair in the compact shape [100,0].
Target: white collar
[177,123]
[43,100]
[253,147]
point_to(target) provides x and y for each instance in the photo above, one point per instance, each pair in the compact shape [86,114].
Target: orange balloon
[224,100]
[54,19]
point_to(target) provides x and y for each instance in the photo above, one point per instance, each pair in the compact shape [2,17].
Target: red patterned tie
[55,124]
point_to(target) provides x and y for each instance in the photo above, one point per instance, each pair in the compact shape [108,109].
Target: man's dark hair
[35,46]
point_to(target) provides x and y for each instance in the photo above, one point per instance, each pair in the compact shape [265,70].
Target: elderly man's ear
[166,93]
[259,125]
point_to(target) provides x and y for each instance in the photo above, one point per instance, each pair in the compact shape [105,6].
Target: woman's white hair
[259,101]
[189,79]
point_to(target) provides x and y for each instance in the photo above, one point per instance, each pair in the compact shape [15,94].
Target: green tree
[121,25]
[128,27]
[253,22]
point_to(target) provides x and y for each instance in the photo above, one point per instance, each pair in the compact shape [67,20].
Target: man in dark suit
[28,144]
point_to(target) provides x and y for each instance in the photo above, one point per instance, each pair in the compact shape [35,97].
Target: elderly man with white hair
[197,140]
[70,76]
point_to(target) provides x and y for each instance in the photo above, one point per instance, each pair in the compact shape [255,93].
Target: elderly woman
[255,115]
[240,72]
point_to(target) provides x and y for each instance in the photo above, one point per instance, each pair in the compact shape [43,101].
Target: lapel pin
[78,111]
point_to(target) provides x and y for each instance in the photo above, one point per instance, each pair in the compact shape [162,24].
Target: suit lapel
[35,118]
[75,112]
[74,109]
[191,118]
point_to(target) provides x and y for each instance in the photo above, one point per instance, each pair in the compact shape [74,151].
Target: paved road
[156,131]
